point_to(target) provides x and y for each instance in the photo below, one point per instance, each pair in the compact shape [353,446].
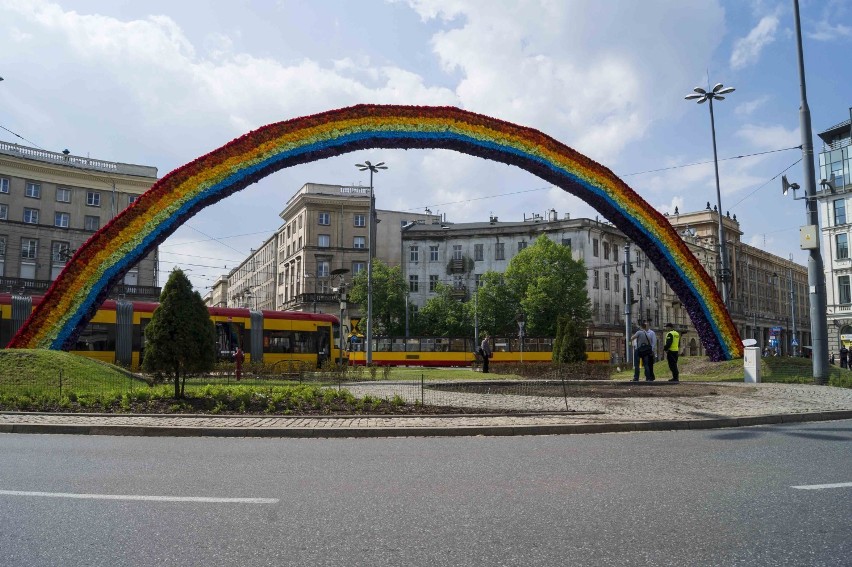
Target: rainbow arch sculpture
[104,259]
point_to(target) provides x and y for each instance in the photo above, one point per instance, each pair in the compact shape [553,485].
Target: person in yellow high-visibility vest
[672,349]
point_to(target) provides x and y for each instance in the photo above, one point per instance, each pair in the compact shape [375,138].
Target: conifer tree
[181,337]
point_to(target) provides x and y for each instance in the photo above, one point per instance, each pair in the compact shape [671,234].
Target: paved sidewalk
[766,404]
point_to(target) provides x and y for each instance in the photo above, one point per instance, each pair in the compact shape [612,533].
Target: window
[433,283]
[606,280]
[648,290]
[606,252]
[31,216]
[607,313]
[596,310]
[478,253]
[323,240]
[500,251]
[323,268]
[93,198]
[616,286]
[4,185]
[840,211]
[358,267]
[413,283]
[33,190]
[132,199]
[433,253]
[595,245]
[521,245]
[359,242]
[656,290]
[414,253]
[91,223]
[29,249]
[478,281]
[615,253]
[4,212]
[842,246]
[360,220]
[324,219]
[402,223]
[60,252]
[845,294]
[62,220]
[63,194]
[595,279]
[457,251]
[566,242]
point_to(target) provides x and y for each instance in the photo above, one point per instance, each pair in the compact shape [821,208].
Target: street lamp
[372,168]
[341,295]
[521,319]
[701,96]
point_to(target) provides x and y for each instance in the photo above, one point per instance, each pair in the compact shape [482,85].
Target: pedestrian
[672,348]
[844,357]
[646,346]
[239,358]
[831,360]
[485,351]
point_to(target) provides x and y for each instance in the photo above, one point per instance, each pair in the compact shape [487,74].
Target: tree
[443,315]
[389,291]
[181,338]
[549,283]
[496,306]
[569,345]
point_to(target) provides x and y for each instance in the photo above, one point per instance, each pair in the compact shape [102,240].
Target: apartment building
[835,169]
[51,203]
[459,254]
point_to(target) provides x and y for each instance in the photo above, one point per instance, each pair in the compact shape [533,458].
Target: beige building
[51,203]
[767,294]
[322,243]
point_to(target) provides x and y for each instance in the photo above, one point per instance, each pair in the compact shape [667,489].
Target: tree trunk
[177,382]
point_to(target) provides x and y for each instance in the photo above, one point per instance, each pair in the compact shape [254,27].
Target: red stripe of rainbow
[111,252]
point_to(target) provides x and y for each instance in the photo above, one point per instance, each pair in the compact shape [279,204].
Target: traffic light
[629,293]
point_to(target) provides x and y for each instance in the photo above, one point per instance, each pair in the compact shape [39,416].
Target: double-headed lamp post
[372,168]
[701,96]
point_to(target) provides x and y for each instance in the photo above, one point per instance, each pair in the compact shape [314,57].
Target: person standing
[844,357]
[646,346]
[485,351]
[672,348]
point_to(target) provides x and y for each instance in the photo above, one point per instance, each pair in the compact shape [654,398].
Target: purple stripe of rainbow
[103,260]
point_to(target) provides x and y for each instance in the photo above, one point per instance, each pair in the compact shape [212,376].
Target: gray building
[51,203]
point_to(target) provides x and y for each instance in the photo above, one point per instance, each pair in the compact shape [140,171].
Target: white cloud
[747,50]
[749,107]
[769,137]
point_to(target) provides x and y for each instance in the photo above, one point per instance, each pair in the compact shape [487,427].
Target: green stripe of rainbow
[108,254]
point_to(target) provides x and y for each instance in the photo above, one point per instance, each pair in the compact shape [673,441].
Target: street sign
[795,342]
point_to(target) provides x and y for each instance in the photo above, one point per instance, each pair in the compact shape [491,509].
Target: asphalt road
[717,497]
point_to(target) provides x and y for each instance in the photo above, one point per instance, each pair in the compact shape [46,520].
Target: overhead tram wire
[619,175]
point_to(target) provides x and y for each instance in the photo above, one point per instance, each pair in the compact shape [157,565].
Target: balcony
[311,299]
[39,287]
[457,265]
[459,292]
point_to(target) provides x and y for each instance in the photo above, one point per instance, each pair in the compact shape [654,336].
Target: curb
[462,431]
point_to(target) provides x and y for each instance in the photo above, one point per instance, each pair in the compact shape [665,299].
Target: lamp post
[701,96]
[341,295]
[521,322]
[372,168]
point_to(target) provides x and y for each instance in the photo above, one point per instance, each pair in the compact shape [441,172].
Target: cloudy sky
[161,83]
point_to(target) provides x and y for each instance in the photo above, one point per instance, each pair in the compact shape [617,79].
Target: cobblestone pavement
[767,403]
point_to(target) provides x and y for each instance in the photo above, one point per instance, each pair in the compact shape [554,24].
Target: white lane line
[821,486]
[205,499]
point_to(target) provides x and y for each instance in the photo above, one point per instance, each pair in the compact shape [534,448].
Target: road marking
[821,486]
[205,499]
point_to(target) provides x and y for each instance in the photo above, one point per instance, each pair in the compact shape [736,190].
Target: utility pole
[816,272]
[628,290]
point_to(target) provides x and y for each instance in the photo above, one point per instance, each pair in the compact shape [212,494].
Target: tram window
[97,337]
[412,345]
[428,345]
[304,342]
[457,345]
[398,345]
[278,341]
[382,345]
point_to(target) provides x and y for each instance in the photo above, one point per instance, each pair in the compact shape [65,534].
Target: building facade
[835,160]
[459,255]
[51,203]
[322,243]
